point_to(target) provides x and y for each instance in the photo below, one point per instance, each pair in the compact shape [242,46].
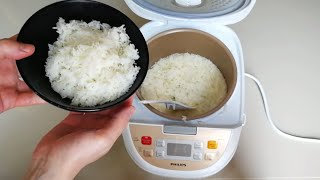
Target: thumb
[13,50]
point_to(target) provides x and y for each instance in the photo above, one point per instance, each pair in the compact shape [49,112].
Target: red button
[146,140]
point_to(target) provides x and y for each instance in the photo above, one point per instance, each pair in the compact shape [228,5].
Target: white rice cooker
[190,148]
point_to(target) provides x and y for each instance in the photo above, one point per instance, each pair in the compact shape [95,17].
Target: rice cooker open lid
[217,11]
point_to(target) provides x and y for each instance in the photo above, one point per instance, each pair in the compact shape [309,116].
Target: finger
[57,132]
[75,122]
[117,108]
[105,138]
[14,37]
[130,100]
[79,122]
[94,120]
[13,50]
[126,103]
[88,121]
[28,98]
[114,127]
[23,87]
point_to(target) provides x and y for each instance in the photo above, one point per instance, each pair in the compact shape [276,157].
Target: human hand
[78,141]
[13,91]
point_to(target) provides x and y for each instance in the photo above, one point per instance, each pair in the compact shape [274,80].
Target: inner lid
[192,9]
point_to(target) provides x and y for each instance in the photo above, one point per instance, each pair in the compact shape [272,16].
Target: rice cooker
[197,146]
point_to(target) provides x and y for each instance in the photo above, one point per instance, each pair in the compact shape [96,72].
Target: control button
[148,152]
[210,156]
[160,153]
[212,145]
[146,140]
[160,143]
[197,156]
[198,145]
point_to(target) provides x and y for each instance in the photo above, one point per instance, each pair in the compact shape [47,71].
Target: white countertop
[280,41]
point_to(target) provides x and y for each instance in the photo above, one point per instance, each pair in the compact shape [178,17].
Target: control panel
[191,151]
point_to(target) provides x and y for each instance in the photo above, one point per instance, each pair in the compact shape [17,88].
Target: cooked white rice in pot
[186,78]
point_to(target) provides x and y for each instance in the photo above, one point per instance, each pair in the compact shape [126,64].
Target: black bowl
[38,31]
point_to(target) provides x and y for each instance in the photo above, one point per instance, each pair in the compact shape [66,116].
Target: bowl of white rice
[89,56]
[190,67]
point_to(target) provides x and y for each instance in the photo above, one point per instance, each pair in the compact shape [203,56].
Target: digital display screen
[183,150]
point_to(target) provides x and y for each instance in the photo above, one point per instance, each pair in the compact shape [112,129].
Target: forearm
[43,169]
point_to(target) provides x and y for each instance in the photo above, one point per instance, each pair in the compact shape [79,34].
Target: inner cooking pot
[196,42]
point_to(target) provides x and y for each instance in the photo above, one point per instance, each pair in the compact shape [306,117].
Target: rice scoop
[91,63]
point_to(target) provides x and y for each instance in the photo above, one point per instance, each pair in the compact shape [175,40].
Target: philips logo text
[178,164]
